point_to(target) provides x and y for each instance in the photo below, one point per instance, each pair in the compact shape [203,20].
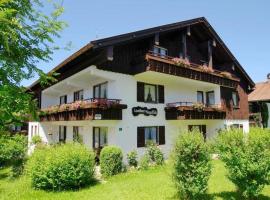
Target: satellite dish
[268,76]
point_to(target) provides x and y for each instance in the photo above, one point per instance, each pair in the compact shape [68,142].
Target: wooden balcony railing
[89,109]
[180,67]
[190,110]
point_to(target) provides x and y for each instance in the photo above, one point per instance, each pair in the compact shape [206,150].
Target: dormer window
[160,51]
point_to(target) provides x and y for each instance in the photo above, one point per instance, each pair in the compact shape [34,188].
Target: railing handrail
[192,65]
[190,104]
[88,99]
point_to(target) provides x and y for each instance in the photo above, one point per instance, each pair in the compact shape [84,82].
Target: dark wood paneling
[235,113]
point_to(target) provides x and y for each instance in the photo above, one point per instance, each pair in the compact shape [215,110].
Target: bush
[111,160]
[132,159]
[191,168]
[36,139]
[61,167]
[144,162]
[247,159]
[155,154]
[13,151]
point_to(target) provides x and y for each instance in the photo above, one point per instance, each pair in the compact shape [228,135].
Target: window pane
[103,136]
[81,95]
[211,98]
[103,90]
[235,99]
[200,97]
[96,137]
[150,93]
[96,92]
[150,134]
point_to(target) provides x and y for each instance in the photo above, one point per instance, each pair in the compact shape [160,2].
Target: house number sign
[144,110]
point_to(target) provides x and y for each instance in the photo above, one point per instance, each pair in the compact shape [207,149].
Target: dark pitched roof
[261,92]
[146,32]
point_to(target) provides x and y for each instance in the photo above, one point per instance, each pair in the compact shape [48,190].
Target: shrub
[111,160]
[191,168]
[144,162]
[36,139]
[61,167]
[13,151]
[155,154]
[247,159]
[132,159]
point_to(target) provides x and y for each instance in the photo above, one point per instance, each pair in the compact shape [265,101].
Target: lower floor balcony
[91,109]
[190,110]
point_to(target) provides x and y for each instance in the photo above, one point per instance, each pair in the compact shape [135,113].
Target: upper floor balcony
[191,110]
[89,109]
[183,68]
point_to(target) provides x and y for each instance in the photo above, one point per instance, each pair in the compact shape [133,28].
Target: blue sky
[243,25]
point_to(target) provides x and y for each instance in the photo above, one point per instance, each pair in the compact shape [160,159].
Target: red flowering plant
[181,62]
[205,68]
[64,107]
[50,110]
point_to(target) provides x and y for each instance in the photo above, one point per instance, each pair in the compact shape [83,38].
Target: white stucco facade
[123,132]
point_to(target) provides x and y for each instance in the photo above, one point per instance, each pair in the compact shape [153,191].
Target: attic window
[160,51]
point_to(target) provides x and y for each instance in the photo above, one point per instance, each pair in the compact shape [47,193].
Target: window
[150,93]
[210,98]
[201,128]
[100,135]
[63,99]
[76,134]
[235,99]
[160,51]
[62,133]
[154,134]
[200,98]
[100,90]
[78,95]
[151,135]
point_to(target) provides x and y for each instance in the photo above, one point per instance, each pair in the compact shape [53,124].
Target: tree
[26,37]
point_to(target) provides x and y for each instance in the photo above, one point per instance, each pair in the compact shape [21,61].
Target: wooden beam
[184,45]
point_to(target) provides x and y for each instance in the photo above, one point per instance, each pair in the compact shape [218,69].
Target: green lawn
[151,184]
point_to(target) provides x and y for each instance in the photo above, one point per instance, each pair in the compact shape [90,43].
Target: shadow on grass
[92,183]
[234,196]
[4,174]
[222,195]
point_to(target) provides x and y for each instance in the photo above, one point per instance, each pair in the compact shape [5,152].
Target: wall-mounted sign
[144,110]
[98,116]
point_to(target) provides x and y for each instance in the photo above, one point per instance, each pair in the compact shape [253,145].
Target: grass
[154,183]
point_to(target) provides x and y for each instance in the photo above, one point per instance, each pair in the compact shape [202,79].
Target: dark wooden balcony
[189,110]
[91,109]
[174,66]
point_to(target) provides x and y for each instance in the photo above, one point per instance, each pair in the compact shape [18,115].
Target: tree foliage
[247,159]
[26,37]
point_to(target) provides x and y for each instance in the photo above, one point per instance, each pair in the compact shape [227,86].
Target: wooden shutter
[160,94]
[161,135]
[140,92]
[140,137]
